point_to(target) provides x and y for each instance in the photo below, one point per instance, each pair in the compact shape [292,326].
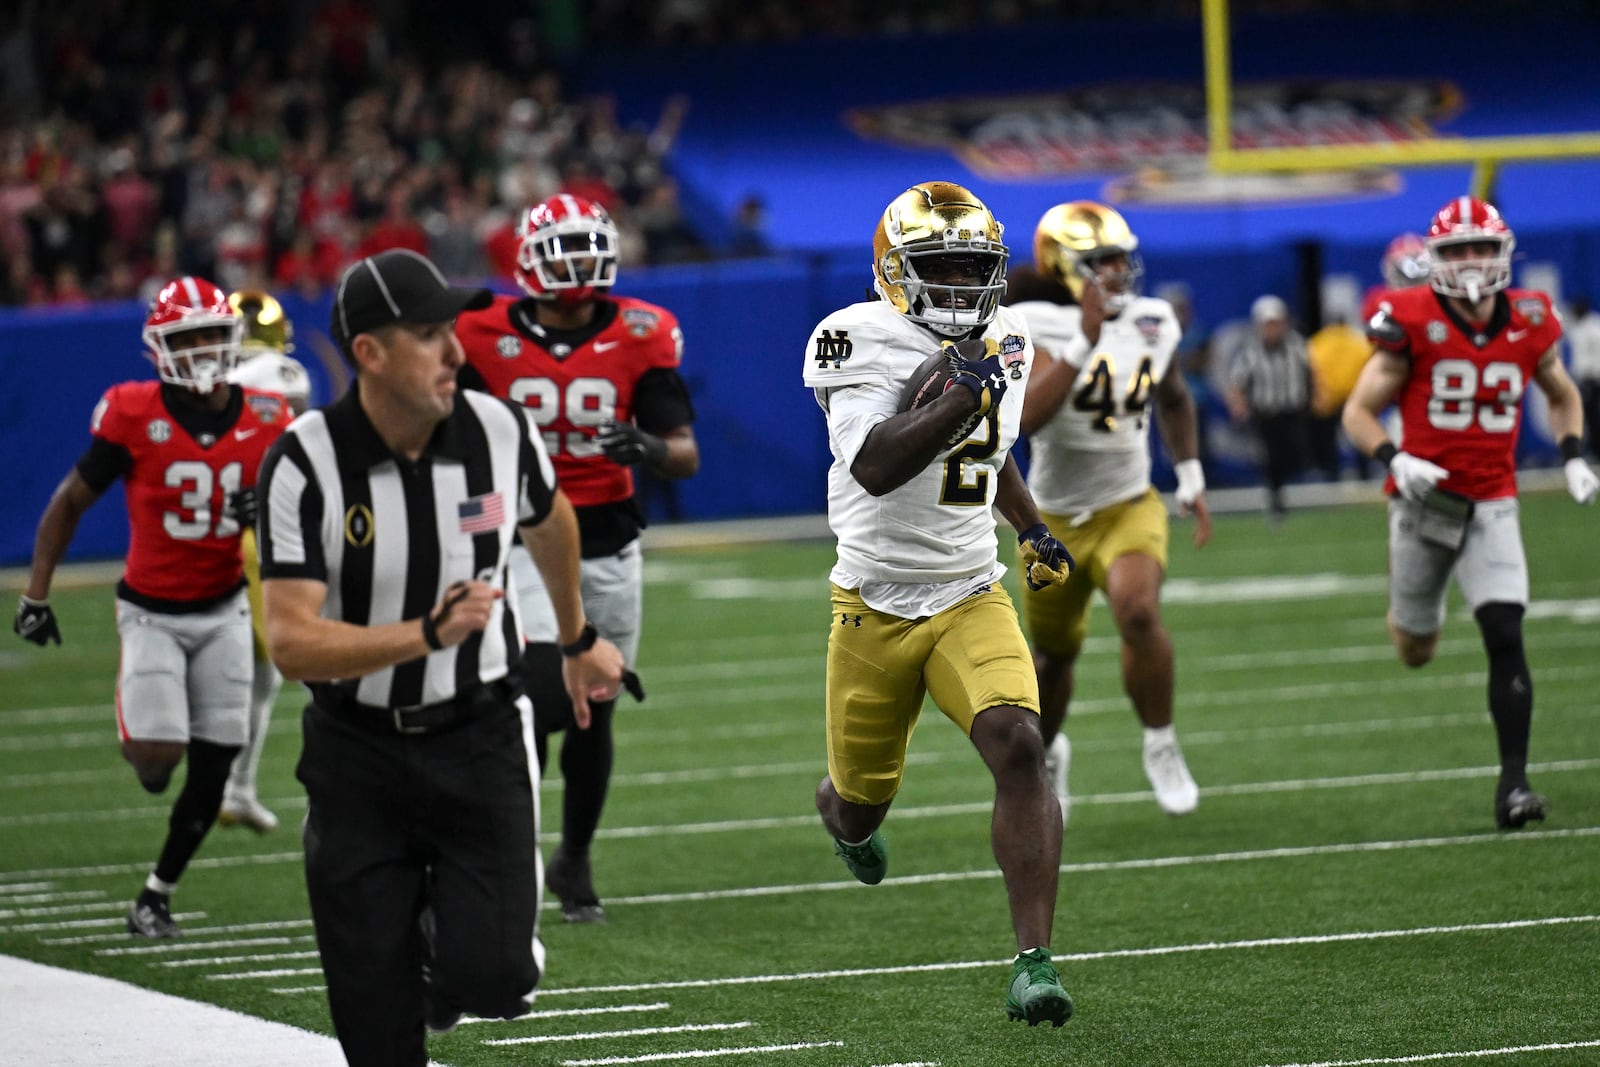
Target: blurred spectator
[749,227]
[666,232]
[1269,385]
[398,228]
[1584,336]
[1336,354]
[452,231]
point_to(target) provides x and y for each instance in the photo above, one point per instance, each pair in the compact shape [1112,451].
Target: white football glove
[1415,477]
[1191,481]
[1582,482]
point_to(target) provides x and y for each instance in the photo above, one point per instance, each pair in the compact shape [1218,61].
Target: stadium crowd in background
[267,159]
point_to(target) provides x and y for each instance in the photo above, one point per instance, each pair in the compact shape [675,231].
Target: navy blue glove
[984,375]
[1045,561]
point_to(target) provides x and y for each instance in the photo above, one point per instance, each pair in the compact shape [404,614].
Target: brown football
[928,382]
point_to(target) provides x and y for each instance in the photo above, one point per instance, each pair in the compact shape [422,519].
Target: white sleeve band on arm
[1073,353]
[1191,479]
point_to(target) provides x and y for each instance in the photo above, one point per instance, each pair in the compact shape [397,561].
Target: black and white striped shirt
[388,535]
[1275,380]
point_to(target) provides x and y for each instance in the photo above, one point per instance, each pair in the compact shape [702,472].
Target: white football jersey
[271,371]
[1095,450]
[939,526]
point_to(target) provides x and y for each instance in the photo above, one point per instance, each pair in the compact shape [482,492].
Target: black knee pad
[1501,626]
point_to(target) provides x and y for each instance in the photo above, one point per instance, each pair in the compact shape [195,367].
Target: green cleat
[1035,993]
[868,861]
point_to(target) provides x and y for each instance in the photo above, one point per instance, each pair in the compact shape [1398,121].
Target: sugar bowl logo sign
[1154,135]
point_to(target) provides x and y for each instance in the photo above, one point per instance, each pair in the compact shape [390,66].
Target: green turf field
[1340,897]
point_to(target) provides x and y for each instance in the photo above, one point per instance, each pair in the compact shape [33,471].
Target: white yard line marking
[21,887]
[167,948]
[921,812]
[701,1054]
[534,1016]
[643,1031]
[119,923]
[64,909]
[1433,1057]
[1172,861]
[1076,957]
[191,931]
[45,898]
[262,957]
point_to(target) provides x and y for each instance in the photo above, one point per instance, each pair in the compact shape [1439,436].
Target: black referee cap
[397,286]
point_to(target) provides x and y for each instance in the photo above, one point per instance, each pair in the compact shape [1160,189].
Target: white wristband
[1191,479]
[1073,352]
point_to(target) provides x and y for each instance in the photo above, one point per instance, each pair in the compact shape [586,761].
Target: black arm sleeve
[661,401]
[103,463]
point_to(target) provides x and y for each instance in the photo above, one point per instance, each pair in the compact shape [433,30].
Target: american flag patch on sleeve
[480,514]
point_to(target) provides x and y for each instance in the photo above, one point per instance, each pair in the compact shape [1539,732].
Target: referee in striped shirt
[386,520]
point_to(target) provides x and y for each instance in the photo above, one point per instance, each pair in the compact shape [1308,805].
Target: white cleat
[247,811]
[1057,755]
[1170,778]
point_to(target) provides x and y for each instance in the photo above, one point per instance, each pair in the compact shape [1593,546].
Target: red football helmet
[1467,220]
[183,354]
[567,250]
[1405,262]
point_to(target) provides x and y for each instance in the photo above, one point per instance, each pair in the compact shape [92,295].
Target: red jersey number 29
[586,403]
[1454,404]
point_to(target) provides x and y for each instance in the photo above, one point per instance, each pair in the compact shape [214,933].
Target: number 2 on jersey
[586,402]
[956,490]
[1098,394]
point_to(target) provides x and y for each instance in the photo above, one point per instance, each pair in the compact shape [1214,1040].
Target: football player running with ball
[918,607]
[1110,367]
[1456,357]
[599,375]
[188,447]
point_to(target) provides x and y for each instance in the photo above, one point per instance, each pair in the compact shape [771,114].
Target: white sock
[1159,736]
[263,692]
[156,885]
[855,844]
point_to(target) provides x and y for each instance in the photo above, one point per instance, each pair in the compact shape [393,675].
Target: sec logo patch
[159,431]
[508,346]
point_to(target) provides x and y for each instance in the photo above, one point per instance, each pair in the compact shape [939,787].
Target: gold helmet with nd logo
[264,360]
[938,258]
[265,324]
[1082,242]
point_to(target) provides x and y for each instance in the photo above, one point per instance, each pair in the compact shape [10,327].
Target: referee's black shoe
[570,879]
[438,1015]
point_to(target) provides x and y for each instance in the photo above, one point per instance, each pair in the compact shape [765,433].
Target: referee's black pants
[397,823]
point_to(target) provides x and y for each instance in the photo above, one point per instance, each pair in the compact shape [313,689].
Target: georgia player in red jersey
[1456,357]
[1404,265]
[600,375]
[188,448]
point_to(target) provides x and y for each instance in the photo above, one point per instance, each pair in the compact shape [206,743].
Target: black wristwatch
[584,642]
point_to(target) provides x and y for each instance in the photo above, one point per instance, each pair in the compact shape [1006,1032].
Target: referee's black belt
[468,706]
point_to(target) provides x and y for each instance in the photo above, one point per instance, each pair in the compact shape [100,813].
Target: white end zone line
[1434,1057]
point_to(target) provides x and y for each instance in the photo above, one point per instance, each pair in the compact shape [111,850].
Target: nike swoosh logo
[601,346]
[240,435]
[1516,335]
